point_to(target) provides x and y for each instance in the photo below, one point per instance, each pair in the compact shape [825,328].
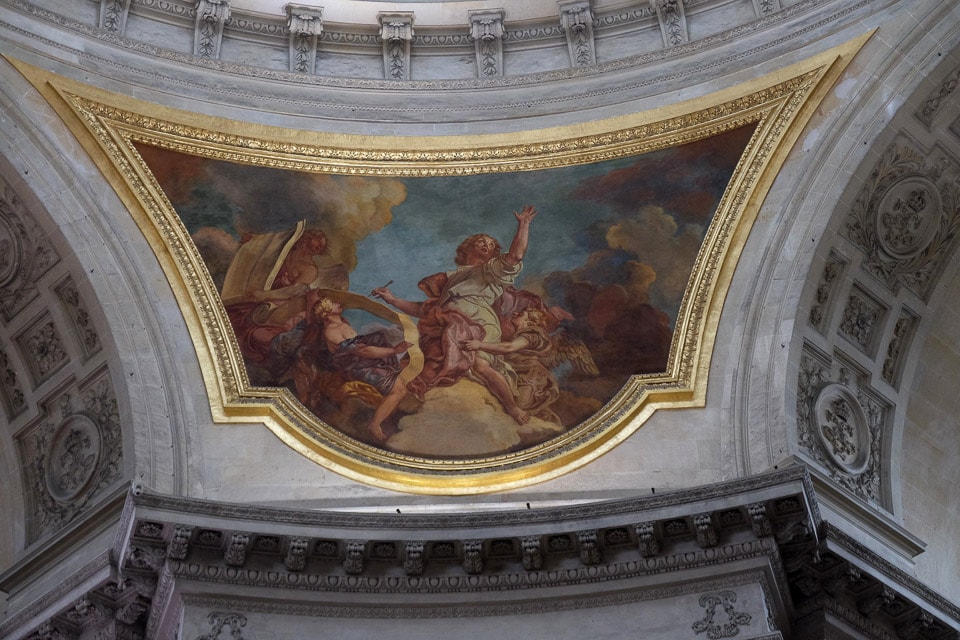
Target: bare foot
[377,432]
[519,415]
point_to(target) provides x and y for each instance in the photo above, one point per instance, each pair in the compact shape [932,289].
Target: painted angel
[533,354]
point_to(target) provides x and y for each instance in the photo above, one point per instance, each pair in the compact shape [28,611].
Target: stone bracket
[673,21]
[305,25]
[766,7]
[113,15]
[212,15]
[486,31]
[396,33]
[577,22]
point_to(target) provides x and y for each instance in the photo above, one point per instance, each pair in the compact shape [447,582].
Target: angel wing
[569,348]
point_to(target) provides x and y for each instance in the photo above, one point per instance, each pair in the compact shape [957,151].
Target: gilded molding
[778,105]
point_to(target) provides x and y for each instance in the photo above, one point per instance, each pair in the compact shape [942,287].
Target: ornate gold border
[780,104]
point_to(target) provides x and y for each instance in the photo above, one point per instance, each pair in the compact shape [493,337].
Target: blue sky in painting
[440,212]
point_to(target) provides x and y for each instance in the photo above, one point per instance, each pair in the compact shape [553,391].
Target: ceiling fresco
[530,298]
[451,314]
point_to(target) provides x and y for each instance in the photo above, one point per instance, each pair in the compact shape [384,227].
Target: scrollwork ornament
[729,624]
[235,622]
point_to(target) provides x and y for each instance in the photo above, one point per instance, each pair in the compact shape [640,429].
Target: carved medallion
[11,252]
[843,428]
[907,217]
[74,455]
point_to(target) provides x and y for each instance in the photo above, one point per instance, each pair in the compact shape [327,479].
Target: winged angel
[474,324]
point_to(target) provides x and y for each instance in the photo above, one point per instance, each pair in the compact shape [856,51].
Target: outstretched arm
[370,351]
[518,248]
[410,308]
[496,348]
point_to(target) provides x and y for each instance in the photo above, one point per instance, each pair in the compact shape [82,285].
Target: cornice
[176,552]
[824,18]
[759,486]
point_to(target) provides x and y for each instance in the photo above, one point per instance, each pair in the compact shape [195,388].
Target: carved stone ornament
[14,401]
[70,460]
[113,15]
[828,282]
[902,331]
[25,254]
[843,429]
[234,622]
[486,31]
[905,219]
[840,427]
[74,455]
[766,7]
[673,21]
[577,21]
[305,25]
[716,624]
[43,348]
[396,33]
[77,311]
[208,30]
[861,318]
[931,106]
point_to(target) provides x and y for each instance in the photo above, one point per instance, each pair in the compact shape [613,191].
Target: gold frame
[780,103]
